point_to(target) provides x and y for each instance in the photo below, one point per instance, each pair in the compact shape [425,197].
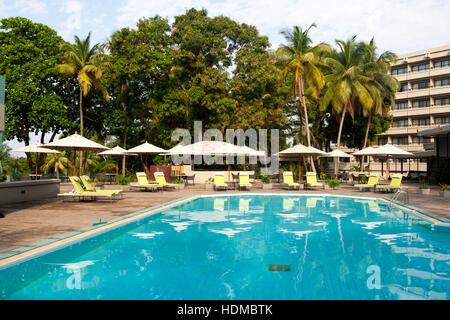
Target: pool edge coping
[28,251]
[25,252]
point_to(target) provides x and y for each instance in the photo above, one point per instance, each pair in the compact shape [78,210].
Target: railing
[419,71]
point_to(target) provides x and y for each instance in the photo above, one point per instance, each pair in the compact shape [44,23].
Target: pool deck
[27,223]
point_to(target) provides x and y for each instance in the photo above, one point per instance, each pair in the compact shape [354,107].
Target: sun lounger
[161,180]
[79,193]
[89,187]
[143,183]
[219,181]
[244,180]
[311,180]
[395,184]
[288,179]
[373,180]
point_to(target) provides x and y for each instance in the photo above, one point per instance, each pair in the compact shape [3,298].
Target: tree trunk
[81,129]
[305,110]
[363,164]
[125,129]
[338,144]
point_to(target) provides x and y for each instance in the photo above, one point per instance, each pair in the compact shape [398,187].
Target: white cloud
[73,9]
[23,7]
[400,26]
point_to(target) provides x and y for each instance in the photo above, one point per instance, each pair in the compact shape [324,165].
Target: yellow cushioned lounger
[89,187]
[244,181]
[311,180]
[373,180]
[395,184]
[288,179]
[219,181]
[161,180]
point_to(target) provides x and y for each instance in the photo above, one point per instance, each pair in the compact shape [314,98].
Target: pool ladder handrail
[397,195]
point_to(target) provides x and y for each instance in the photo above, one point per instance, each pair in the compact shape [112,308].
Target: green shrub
[445,187]
[364,179]
[333,183]
[424,186]
[123,180]
[323,176]
[179,181]
[265,179]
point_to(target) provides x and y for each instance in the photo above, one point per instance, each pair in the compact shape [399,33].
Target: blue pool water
[221,248]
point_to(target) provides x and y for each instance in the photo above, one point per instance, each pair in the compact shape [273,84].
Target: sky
[400,26]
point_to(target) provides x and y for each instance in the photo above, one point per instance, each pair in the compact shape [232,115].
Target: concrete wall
[22,191]
[203,176]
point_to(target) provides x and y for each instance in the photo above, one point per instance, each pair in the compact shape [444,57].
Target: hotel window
[400,123]
[403,87]
[400,140]
[442,120]
[421,103]
[420,67]
[421,85]
[401,105]
[442,82]
[398,71]
[420,140]
[382,141]
[442,63]
[442,101]
[421,122]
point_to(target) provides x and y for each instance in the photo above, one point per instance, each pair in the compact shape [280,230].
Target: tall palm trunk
[125,127]
[363,163]
[301,93]
[81,129]
[341,125]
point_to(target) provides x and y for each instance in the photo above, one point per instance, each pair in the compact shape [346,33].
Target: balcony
[410,112]
[411,129]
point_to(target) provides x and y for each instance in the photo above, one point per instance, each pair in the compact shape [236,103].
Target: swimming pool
[248,247]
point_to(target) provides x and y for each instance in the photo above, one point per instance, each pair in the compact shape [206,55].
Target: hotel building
[422,102]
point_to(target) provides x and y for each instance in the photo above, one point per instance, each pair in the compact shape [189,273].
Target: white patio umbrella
[389,151]
[146,149]
[337,153]
[75,143]
[116,152]
[215,148]
[35,148]
[301,151]
[364,152]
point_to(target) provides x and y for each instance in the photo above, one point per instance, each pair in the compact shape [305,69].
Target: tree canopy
[153,78]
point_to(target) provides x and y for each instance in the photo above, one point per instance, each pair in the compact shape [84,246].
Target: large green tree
[87,64]
[35,95]
[300,58]
[346,81]
[382,85]
[141,64]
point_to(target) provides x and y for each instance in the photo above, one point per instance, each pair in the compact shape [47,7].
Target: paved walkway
[30,222]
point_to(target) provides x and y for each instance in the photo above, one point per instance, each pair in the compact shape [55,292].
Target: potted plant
[180,183]
[424,189]
[331,183]
[209,184]
[445,190]
[266,183]
[124,182]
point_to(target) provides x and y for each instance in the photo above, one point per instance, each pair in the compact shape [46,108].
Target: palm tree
[87,64]
[301,59]
[346,82]
[382,86]
[57,162]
